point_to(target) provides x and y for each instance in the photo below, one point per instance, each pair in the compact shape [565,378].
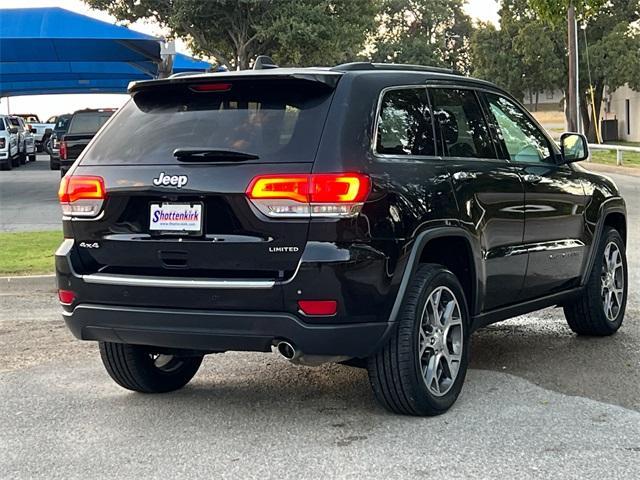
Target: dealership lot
[28,198]
[539,402]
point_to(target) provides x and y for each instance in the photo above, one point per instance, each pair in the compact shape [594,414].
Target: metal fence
[618,148]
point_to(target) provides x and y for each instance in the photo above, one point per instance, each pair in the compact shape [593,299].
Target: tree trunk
[587,125]
[537,100]
[590,121]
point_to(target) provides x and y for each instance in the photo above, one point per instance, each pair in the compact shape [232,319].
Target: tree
[234,32]
[524,55]
[493,58]
[427,32]
[613,40]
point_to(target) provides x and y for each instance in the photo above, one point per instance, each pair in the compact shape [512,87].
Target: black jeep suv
[367,214]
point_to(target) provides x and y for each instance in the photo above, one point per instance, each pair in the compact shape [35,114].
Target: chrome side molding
[173,282]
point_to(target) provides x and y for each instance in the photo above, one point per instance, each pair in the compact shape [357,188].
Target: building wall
[615,106]
[547,100]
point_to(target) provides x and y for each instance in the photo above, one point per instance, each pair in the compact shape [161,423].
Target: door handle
[462,175]
[530,178]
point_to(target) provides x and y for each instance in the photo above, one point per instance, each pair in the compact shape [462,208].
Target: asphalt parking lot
[28,197]
[539,402]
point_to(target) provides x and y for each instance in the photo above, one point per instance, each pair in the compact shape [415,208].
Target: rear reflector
[318,307]
[211,87]
[315,195]
[66,297]
[81,195]
[63,150]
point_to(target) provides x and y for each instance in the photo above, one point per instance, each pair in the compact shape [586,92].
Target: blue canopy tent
[52,50]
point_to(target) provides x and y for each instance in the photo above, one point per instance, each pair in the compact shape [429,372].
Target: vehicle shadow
[542,349]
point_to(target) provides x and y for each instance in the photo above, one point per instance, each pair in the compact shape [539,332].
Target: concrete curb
[30,283]
[602,168]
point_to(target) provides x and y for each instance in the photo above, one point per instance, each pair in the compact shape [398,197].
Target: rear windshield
[89,122]
[274,120]
[62,123]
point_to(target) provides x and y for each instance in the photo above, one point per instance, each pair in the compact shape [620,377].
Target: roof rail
[346,67]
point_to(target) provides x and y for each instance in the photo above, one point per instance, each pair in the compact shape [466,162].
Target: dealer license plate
[176,217]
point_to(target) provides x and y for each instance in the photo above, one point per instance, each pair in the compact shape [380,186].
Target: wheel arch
[612,213]
[441,245]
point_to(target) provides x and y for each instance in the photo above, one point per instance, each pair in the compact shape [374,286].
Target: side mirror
[33,130]
[48,131]
[13,130]
[574,147]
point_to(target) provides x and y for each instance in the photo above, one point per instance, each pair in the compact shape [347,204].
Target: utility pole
[573,96]
[168,54]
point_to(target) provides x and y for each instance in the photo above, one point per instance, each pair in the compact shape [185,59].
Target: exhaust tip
[286,350]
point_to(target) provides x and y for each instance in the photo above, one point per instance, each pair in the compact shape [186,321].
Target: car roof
[327,75]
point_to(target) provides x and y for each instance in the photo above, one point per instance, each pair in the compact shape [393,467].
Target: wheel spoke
[432,373]
[435,304]
[447,314]
[613,260]
[618,292]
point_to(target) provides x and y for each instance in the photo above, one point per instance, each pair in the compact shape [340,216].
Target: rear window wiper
[212,155]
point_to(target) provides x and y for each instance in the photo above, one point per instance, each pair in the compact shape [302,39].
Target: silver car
[26,140]
[9,137]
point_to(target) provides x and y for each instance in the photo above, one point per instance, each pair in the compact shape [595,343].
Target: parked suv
[60,128]
[83,126]
[368,214]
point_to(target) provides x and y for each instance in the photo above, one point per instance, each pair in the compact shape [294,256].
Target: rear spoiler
[325,77]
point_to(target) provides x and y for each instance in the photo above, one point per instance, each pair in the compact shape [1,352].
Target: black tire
[23,158]
[32,157]
[586,315]
[395,372]
[53,165]
[8,165]
[133,367]
[16,161]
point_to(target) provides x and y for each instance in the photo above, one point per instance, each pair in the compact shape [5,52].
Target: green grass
[26,253]
[629,159]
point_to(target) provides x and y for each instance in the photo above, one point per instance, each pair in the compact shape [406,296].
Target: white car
[8,144]
[39,129]
[26,141]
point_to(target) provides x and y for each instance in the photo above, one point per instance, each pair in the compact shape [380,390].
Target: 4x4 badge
[170,180]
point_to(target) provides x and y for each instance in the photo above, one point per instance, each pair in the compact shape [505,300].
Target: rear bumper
[219,315]
[219,331]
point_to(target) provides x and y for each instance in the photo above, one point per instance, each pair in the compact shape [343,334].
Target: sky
[48,105]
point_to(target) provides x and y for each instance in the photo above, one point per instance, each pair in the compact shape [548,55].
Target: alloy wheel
[440,341]
[612,278]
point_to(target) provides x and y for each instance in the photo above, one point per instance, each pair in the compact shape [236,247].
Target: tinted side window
[522,138]
[404,124]
[461,124]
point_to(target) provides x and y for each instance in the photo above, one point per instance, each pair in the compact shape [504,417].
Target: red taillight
[81,195]
[211,87]
[63,150]
[326,194]
[66,297]
[275,186]
[318,307]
